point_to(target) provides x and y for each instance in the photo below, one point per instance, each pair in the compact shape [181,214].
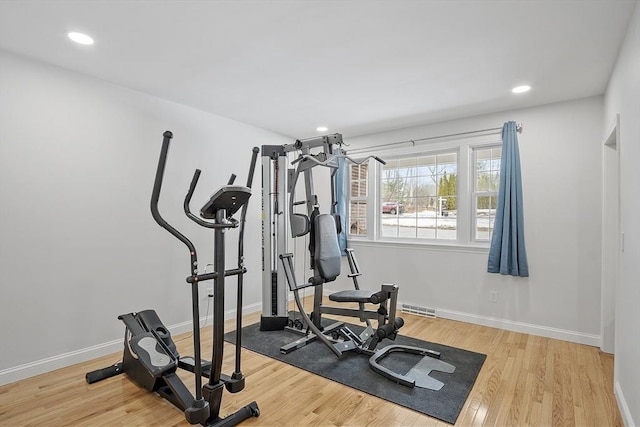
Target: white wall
[623,97]
[78,244]
[560,151]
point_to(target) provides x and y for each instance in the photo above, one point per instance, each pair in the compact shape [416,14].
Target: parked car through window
[392,208]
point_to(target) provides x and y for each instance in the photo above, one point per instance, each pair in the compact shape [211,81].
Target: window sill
[429,246]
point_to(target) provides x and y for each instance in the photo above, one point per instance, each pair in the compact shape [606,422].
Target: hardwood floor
[526,380]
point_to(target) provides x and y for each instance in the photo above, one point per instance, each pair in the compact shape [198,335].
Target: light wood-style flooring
[526,380]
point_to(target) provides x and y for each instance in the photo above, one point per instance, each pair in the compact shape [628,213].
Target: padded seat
[353,295]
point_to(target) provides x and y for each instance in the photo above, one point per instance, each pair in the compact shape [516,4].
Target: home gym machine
[150,356]
[279,183]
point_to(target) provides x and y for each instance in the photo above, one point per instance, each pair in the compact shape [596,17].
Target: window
[358,200]
[443,193]
[418,197]
[485,193]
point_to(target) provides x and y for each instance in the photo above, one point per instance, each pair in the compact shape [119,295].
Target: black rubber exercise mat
[353,370]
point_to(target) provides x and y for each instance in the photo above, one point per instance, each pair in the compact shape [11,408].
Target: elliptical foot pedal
[152,355]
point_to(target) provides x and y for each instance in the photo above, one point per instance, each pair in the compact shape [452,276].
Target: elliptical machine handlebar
[252,166]
[155,196]
[243,214]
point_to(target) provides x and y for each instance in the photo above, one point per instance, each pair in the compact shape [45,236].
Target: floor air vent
[420,311]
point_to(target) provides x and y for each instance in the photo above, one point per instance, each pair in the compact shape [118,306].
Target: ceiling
[356,67]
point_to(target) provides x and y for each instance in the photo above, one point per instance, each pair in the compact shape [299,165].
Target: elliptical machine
[150,356]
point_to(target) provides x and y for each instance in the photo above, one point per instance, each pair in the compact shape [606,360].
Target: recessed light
[521,89]
[322,128]
[80,38]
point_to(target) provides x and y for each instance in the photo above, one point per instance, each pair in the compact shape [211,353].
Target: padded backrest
[327,250]
[299,224]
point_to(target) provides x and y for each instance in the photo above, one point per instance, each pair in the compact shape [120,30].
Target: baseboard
[49,364]
[627,419]
[527,328]
[511,325]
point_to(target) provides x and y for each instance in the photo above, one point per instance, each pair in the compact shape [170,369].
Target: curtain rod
[413,141]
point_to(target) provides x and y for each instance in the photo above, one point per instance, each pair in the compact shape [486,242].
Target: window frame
[359,199]
[465,217]
[379,183]
[475,193]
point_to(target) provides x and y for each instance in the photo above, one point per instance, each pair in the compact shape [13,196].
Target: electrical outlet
[493,296]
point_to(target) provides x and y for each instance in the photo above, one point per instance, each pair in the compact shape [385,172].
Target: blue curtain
[507,254]
[341,179]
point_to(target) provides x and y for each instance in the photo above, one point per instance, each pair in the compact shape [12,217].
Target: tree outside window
[421,192]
